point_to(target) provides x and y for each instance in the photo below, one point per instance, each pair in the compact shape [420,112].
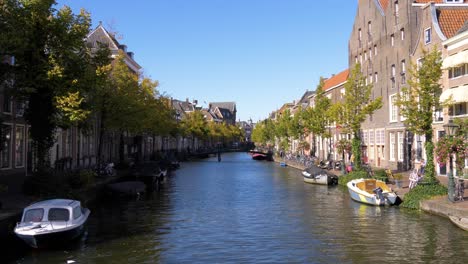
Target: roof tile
[336,80]
[451,20]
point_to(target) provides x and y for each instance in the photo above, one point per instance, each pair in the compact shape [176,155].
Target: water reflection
[240,210]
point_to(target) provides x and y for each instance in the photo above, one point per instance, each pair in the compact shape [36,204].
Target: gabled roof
[336,80]
[304,99]
[101,35]
[231,106]
[451,20]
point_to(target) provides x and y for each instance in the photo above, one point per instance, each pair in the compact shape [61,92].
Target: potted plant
[398,179]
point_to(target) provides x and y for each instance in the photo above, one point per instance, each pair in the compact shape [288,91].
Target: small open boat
[318,176]
[52,222]
[461,222]
[259,156]
[373,192]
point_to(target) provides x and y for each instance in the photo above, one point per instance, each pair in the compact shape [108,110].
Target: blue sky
[258,53]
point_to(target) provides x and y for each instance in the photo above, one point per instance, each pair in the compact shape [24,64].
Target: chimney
[130,54]
[195,102]
[123,47]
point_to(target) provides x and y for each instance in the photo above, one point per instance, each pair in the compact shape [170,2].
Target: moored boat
[52,222]
[461,222]
[373,192]
[259,156]
[318,176]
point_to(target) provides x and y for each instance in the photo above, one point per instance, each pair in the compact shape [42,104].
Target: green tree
[50,62]
[318,117]
[194,125]
[355,108]
[418,101]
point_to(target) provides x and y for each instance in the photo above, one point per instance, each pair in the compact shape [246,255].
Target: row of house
[75,148]
[387,37]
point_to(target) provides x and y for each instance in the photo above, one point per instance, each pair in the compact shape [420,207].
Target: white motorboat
[319,177]
[373,192]
[52,222]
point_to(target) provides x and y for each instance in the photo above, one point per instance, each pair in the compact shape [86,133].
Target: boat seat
[370,186]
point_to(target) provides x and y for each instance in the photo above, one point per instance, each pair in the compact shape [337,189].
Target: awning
[455,60]
[457,95]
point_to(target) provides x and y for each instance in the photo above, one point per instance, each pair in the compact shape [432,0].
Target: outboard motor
[379,193]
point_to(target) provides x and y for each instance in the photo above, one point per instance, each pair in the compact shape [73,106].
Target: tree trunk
[356,147]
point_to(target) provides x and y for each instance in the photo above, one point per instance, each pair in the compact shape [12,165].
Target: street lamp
[451,130]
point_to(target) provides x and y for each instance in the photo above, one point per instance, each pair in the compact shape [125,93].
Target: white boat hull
[322,178]
[369,197]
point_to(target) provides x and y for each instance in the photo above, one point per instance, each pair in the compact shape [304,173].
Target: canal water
[245,211]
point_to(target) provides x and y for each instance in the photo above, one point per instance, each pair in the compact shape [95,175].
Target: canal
[244,211]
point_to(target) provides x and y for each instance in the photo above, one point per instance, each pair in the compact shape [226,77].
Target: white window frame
[401,146]
[392,146]
[402,33]
[23,158]
[427,35]
[376,77]
[10,148]
[392,39]
[393,111]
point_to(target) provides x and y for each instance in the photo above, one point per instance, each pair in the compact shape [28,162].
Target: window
[397,9]
[356,59]
[370,53]
[393,71]
[453,1]
[365,55]
[20,106]
[7,103]
[392,40]
[392,146]
[458,109]
[360,58]
[58,214]
[393,108]
[375,50]
[427,36]
[77,212]
[457,71]
[401,145]
[365,138]
[403,72]
[19,146]
[369,28]
[371,79]
[33,215]
[5,154]
[371,137]
[376,77]
[402,34]
[438,115]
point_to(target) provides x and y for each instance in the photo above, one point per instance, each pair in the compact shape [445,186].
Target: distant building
[225,111]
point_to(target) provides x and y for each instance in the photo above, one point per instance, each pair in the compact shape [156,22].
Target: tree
[355,108]
[418,101]
[264,132]
[194,125]
[317,117]
[50,61]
